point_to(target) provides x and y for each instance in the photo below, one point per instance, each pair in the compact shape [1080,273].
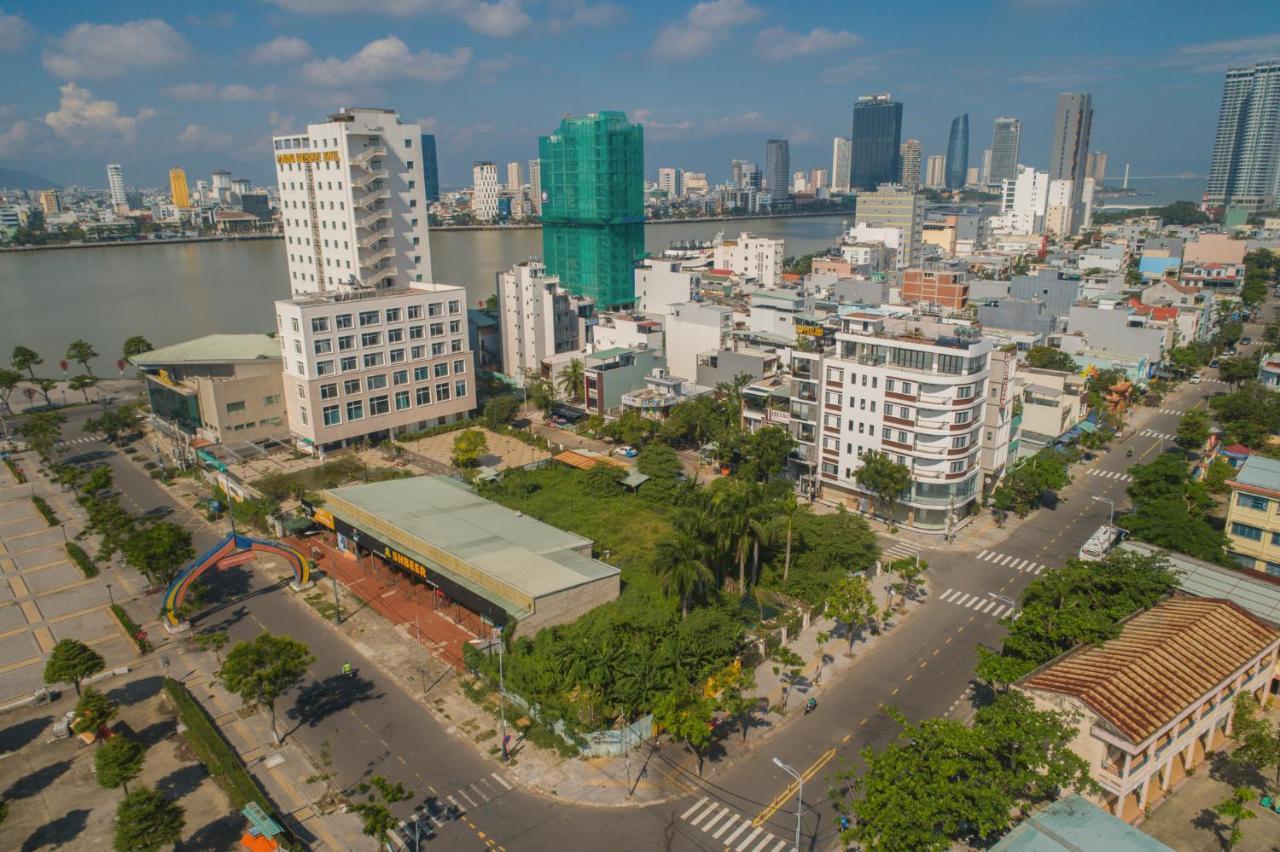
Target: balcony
[373,218]
[375,237]
[372,260]
[897,421]
[367,200]
[368,178]
[368,154]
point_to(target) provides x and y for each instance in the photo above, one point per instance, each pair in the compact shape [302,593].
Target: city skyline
[149,84]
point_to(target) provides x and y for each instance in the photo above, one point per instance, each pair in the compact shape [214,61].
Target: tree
[468,448]
[573,379]
[1236,371]
[94,710]
[82,383]
[45,386]
[1047,358]
[1170,509]
[71,661]
[1249,416]
[681,563]
[25,359]
[113,422]
[787,507]
[375,812]
[42,430]
[659,461]
[908,571]
[539,392]
[1259,740]
[135,345]
[1025,484]
[1234,808]
[262,670]
[81,352]
[1217,474]
[736,698]
[146,821]
[733,503]
[884,478]
[119,761]
[500,411]
[851,601]
[159,550]
[9,381]
[1193,431]
[212,640]
[765,453]
[686,714]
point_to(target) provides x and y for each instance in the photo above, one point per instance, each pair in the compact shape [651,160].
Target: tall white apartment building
[1023,203]
[352,203]
[907,386]
[222,185]
[484,191]
[935,171]
[997,420]
[539,318]
[893,206]
[691,329]
[910,154]
[693,183]
[661,282]
[1060,210]
[669,181]
[514,183]
[841,162]
[535,186]
[115,186]
[752,256]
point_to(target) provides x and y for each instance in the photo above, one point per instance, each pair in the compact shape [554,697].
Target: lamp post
[1111,519]
[110,596]
[502,701]
[799,793]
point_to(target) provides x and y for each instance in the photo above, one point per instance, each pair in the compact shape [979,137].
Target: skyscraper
[910,156]
[514,183]
[430,168]
[1006,135]
[535,186]
[1245,169]
[178,192]
[841,149]
[115,185]
[222,185]
[876,140]
[777,168]
[593,205]
[1070,153]
[738,172]
[484,191]
[1097,165]
[958,152]
[984,175]
[50,203]
[669,181]
[936,172]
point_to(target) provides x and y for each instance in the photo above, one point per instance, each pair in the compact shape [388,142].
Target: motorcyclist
[810,705]
[347,671]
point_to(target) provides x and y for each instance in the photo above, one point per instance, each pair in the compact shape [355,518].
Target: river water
[170,293]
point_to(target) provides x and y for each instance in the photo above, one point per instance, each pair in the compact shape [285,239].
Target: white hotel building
[907,386]
[371,348]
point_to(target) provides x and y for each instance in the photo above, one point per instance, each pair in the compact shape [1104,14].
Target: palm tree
[25,359]
[136,345]
[682,566]
[788,507]
[81,351]
[732,506]
[573,379]
[46,385]
[82,384]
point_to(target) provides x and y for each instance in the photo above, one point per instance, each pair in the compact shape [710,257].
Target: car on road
[1245,341]
[557,421]
[1197,379]
[627,451]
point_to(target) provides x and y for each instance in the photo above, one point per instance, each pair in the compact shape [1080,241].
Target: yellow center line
[948,642]
[788,793]
[924,663]
[937,651]
[909,677]
[846,738]
[896,690]
[863,722]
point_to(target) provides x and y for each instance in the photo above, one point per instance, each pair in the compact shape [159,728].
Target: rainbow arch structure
[233,544]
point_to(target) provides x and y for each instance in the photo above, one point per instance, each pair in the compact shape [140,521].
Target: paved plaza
[43,595]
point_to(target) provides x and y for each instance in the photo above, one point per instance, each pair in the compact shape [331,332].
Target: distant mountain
[19,179]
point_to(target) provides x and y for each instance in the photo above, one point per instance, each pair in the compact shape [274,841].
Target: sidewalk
[62,396]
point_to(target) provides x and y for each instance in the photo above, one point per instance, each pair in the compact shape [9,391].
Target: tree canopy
[146,821]
[262,670]
[159,551]
[468,448]
[119,761]
[71,661]
[885,478]
[1048,358]
[1170,509]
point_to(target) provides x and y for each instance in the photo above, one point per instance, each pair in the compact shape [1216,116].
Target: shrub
[46,510]
[131,627]
[16,471]
[82,560]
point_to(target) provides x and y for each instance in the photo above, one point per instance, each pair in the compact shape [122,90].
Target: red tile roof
[1164,661]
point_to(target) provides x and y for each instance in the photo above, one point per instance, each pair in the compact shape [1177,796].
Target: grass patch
[82,560]
[328,475]
[322,604]
[16,471]
[136,633]
[43,507]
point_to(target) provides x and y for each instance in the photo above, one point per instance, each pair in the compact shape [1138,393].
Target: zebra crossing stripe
[750,837]
[960,600]
[710,809]
[1006,561]
[501,780]
[464,795]
[946,596]
[732,819]
[990,605]
[697,805]
[455,802]
[974,604]
[724,812]
[746,823]
[479,792]
[782,844]
[983,554]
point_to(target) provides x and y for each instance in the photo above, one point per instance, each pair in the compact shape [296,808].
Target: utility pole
[502,701]
[799,793]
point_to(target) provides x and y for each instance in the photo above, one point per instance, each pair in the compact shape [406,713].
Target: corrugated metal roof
[1257,592]
[1072,824]
[212,348]
[1164,660]
[1260,472]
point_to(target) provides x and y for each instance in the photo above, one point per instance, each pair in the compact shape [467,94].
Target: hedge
[45,509]
[131,627]
[218,756]
[78,556]
[16,471]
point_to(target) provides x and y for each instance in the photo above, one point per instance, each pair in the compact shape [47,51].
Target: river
[170,293]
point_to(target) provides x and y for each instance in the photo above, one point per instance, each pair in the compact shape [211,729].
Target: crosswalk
[71,442]
[1174,411]
[1109,474]
[901,550]
[1152,433]
[1026,566]
[981,604]
[730,829]
[461,800]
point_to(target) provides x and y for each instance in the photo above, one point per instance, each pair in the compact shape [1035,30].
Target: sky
[158,84]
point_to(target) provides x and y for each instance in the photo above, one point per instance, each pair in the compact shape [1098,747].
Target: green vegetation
[1080,602]
[375,811]
[93,710]
[45,510]
[1028,481]
[135,345]
[71,661]
[851,601]
[943,783]
[81,352]
[468,448]
[262,670]
[331,474]
[118,761]
[500,411]
[1249,416]
[1170,509]
[114,422]
[1235,808]
[18,475]
[146,821]
[886,479]
[1259,740]
[159,551]
[136,633]
[1047,358]
[1177,213]
[1193,431]
[42,430]
[82,560]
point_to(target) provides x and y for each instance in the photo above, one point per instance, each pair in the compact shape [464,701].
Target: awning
[1086,426]
[297,525]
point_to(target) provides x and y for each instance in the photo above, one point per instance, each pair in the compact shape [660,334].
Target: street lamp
[110,596]
[1111,519]
[799,793]
[502,701]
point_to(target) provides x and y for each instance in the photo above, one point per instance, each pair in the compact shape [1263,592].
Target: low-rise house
[1153,702]
[1253,516]
[660,393]
[1269,371]
[614,372]
[1053,403]
[1219,276]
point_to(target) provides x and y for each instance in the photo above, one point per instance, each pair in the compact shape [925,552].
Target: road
[923,667]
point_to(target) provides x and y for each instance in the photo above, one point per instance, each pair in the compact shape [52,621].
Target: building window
[346,342]
[293,323]
[302,415]
[455,306]
[417,353]
[421,373]
[319,325]
[437,349]
[442,369]
[342,321]
[332,417]
[350,386]
[963,416]
[372,359]
[459,389]
[328,391]
[400,377]
[459,366]
[273,399]
[323,346]
[395,335]
[402,400]
[886,433]
[376,382]
[442,392]
[393,315]
[1246,531]
[233,407]
[324,368]
[1252,501]
[435,309]
[414,312]
[906,387]
[297,347]
[378,405]
[348,364]
[422,395]
[371,338]
[455,345]
[416,332]
[437,329]
[958,466]
[455,326]
[355,410]
[959,442]
[964,392]
[370,318]
[889,385]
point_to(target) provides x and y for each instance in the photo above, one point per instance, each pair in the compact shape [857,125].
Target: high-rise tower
[777,168]
[1006,135]
[841,159]
[1245,169]
[877,140]
[910,156]
[178,192]
[430,168]
[592,170]
[115,185]
[958,152]
[1069,156]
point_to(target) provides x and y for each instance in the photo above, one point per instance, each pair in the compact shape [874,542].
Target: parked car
[1214,363]
[1245,341]
[1197,379]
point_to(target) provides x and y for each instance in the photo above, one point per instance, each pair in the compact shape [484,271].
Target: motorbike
[1129,453]
[810,706]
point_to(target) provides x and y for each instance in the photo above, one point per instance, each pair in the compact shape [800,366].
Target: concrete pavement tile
[86,626]
[19,526]
[18,647]
[16,506]
[45,638]
[11,618]
[74,599]
[22,681]
[48,537]
[39,556]
[6,591]
[57,576]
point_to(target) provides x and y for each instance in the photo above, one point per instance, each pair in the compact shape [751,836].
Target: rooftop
[1259,472]
[212,349]
[1071,824]
[1165,660]
[1255,591]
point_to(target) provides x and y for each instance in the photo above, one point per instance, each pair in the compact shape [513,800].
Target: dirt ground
[54,798]
[504,451]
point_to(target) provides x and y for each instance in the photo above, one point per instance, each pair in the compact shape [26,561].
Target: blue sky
[185,84]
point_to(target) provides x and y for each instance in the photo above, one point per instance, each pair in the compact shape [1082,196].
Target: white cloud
[279,51]
[861,65]
[81,119]
[199,137]
[487,70]
[500,19]
[567,14]
[13,31]
[214,92]
[705,24]
[1218,56]
[729,125]
[13,139]
[778,44]
[386,59]
[110,50]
